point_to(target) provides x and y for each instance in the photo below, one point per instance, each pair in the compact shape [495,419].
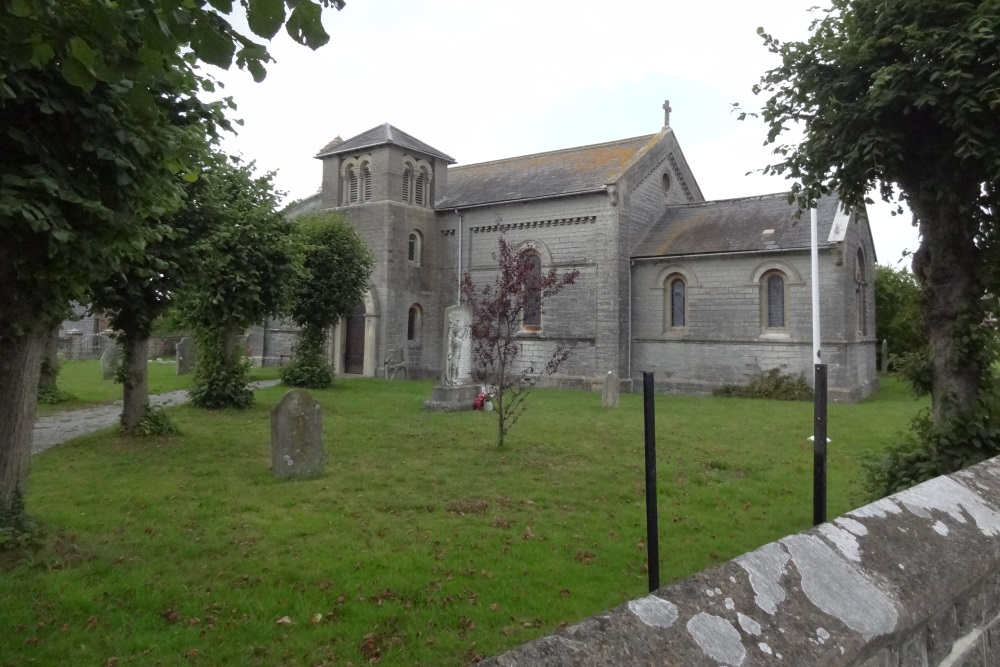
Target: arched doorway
[354,341]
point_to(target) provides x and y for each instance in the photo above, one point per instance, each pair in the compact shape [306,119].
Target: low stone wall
[910,580]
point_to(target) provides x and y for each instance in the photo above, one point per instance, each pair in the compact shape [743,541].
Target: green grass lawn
[422,543]
[82,380]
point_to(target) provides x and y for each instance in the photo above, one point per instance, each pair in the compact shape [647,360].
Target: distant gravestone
[297,436]
[109,362]
[885,355]
[185,356]
[610,391]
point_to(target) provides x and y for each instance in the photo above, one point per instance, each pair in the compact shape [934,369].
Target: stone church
[703,293]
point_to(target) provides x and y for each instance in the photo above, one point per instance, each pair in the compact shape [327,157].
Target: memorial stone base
[452,398]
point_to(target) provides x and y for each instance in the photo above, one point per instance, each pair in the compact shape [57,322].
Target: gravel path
[62,426]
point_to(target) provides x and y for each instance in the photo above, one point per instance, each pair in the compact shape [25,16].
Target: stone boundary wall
[910,580]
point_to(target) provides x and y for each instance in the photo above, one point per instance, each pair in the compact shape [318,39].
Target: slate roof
[563,172]
[379,136]
[736,225]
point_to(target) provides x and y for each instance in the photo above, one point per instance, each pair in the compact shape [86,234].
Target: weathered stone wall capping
[912,580]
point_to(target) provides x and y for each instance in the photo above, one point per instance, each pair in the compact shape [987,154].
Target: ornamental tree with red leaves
[505,314]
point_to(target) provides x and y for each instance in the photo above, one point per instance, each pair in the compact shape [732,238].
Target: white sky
[481,81]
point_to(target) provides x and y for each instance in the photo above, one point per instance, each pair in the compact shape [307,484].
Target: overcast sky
[487,80]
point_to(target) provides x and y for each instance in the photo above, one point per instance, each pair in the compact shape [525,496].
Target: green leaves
[305,25]
[210,41]
[265,17]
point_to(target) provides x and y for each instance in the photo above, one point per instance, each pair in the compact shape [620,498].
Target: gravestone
[885,355]
[456,391]
[109,362]
[185,355]
[297,436]
[610,390]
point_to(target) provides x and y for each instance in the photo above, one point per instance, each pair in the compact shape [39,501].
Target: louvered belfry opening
[418,197]
[407,175]
[367,175]
[352,187]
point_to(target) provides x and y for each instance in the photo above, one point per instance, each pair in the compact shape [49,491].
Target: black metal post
[819,446]
[652,524]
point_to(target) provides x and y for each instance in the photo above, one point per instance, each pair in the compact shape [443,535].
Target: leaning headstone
[610,391]
[885,355]
[109,362]
[185,355]
[297,436]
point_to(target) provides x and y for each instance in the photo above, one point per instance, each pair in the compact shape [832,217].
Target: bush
[771,384]
[156,422]
[306,375]
[54,396]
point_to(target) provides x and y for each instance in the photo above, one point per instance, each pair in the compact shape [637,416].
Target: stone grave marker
[610,390]
[297,436]
[185,355]
[109,362]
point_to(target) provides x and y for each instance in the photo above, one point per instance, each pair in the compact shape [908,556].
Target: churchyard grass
[422,544]
[82,380]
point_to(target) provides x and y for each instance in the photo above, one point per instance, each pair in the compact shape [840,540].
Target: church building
[703,293]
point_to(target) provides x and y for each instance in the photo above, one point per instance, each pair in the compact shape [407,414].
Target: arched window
[416,182]
[366,177]
[414,320]
[675,302]
[420,188]
[352,185]
[774,301]
[533,292]
[414,247]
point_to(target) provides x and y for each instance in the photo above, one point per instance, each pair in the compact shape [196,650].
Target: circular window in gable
[666,182]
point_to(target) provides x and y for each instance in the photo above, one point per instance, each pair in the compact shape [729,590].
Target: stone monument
[610,390]
[297,436]
[456,391]
[185,356]
[109,362]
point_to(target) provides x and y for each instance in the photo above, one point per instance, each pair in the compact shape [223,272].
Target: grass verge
[422,543]
[82,380]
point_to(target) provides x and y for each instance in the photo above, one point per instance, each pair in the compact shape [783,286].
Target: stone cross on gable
[666,113]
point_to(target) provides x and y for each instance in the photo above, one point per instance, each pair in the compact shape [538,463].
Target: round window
[666,182]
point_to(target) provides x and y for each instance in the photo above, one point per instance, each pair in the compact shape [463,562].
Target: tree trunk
[135,390]
[947,266]
[20,363]
[49,373]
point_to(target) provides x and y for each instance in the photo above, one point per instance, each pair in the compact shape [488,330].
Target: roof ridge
[558,150]
[710,202]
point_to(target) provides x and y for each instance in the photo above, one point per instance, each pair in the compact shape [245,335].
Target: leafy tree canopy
[903,96]
[337,266]
[246,269]
[98,114]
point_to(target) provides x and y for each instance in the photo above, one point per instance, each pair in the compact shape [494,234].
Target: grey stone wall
[570,232]
[725,341]
[912,580]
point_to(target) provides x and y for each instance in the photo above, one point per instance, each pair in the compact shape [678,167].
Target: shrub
[771,384]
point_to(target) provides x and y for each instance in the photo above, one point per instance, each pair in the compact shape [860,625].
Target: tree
[904,96]
[246,268]
[135,297]
[897,313]
[501,312]
[337,266]
[93,133]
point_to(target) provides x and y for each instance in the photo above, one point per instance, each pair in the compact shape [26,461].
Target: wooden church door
[354,341]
